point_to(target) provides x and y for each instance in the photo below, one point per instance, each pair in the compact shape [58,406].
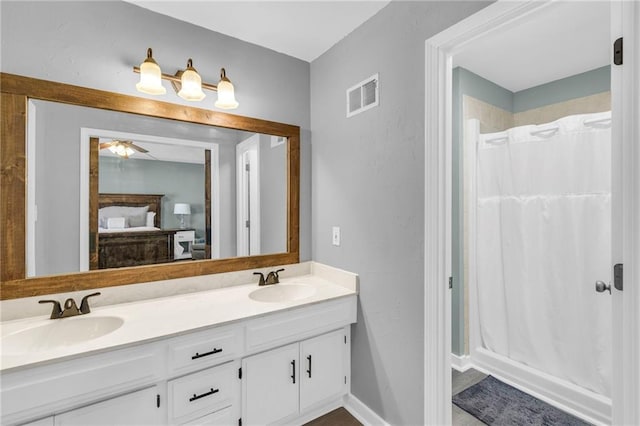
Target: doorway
[499,18]
[248,196]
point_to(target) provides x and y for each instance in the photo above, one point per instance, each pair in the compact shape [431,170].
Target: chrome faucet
[272,277]
[70,307]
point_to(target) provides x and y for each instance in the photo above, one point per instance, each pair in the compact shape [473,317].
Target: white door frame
[439,50]
[245,209]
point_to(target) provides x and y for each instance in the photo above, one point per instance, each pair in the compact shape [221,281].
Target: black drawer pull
[293,365]
[211,392]
[214,351]
[309,370]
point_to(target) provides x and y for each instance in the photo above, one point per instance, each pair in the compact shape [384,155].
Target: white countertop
[152,319]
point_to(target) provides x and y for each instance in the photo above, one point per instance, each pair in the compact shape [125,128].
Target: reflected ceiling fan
[122,148]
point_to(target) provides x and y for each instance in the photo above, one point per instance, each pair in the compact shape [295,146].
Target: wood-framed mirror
[19,94]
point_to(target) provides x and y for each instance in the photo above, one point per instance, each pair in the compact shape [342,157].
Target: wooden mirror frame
[15,92]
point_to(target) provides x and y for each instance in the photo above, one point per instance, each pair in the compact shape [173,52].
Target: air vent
[362,96]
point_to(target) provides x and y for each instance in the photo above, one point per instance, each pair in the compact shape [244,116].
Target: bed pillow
[137,220]
[151,219]
[116,223]
[121,211]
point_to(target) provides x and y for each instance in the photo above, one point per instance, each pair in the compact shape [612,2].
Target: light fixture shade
[226,95]
[181,208]
[150,77]
[191,83]
[121,150]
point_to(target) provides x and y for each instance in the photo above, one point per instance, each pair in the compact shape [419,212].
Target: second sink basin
[282,293]
[58,333]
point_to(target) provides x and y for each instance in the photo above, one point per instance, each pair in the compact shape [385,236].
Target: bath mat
[496,403]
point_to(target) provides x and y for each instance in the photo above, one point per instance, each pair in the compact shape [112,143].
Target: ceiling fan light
[150,77]
[191,83]
[226,95]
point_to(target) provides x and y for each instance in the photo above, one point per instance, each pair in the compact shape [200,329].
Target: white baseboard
[360,411]
[461,363]
[317,412]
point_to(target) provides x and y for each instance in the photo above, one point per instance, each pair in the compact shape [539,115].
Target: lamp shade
[191,83]
[181,208]
[226,95]
[150,77]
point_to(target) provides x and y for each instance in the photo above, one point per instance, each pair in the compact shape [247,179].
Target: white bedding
[135,229]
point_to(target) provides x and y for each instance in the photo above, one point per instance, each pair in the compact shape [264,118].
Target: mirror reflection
[109,189]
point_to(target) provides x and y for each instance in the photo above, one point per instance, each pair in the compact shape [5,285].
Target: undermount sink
[282,293]
[58,333]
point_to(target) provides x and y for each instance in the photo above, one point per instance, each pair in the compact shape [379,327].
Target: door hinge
[617,276]
[247,167]
[247,224]
[345,339]
[345,380]
[617,52]
[240,373]
[158,400]
[450,282]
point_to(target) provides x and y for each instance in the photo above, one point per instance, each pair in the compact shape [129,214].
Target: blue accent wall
[577,86]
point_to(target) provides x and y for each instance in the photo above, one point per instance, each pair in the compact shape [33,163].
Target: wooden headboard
[154,201]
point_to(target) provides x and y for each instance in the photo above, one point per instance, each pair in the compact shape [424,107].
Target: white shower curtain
[543,224]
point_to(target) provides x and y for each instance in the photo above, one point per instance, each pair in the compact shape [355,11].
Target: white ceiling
[564,39]
[299,28]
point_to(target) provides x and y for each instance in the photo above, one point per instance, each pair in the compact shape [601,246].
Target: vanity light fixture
[226,96]
[187,83]
[150,76]
[191,83]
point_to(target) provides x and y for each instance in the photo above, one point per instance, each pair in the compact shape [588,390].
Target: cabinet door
[322,368]
[136,408]
[270,386]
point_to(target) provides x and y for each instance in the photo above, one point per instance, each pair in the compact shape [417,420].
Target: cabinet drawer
[219,418]
[185,236]
[287,327]
[202,392]
[203,349]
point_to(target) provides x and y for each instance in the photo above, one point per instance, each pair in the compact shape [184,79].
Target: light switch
[336,235]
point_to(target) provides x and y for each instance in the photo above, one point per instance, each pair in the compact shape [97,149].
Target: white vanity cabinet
[283,383]
[236,373]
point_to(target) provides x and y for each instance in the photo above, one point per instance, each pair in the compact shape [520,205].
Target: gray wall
[228,242]
[368,178]
[179,182]
[273,196]
[95,44]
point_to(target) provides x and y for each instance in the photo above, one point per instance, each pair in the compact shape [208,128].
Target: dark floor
[460,382]
[337,417]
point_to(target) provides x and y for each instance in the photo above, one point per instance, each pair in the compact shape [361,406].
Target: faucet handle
[261,282]
[70,308]
[57,309]
[84,305]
